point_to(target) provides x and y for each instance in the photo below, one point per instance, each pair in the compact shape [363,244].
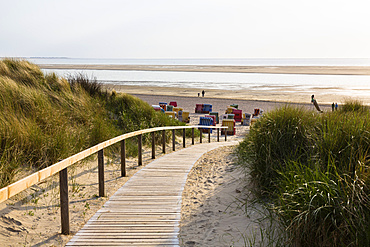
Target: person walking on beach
[332,106]
[203,93]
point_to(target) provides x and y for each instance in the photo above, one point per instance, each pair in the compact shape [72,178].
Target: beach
[212,208]
[293,84]
[220,99]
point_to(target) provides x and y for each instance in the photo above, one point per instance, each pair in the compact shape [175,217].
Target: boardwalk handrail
[25,183]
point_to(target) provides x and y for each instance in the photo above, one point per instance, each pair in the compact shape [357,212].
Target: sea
[354,86]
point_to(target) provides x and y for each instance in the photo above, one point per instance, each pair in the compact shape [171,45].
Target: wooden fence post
[123,158]
[192,136]
[64,204]
[101,172]
[153,145]
[201,136]
[225,135]
[183,137]
[140,150]
[209,135]
[173,140]
[218,134]
[164,141]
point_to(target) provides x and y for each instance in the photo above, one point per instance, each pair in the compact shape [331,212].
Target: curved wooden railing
[61,167]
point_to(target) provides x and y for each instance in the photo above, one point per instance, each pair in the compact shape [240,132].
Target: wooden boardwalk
[145,211]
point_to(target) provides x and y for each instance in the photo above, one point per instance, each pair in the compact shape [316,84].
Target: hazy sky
[185,29]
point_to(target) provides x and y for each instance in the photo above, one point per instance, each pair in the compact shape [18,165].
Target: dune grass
[313,169]
[44,118]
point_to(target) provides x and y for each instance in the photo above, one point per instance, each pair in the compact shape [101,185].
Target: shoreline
[312,70]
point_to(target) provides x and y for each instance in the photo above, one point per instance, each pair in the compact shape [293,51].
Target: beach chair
[186,116]
[256,112]
[213,117]
[238,115]
[206,121]
[215,114]
[230,123]
[177,109]
[246,119]
[170,114]
[156,107]
[173,103]
[207,108]
[198,108]
[169,108]
[229,110]
[163,105]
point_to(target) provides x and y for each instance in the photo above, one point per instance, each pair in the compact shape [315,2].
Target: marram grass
[313,169]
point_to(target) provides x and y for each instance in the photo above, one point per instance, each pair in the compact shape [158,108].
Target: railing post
[173,140]
[183,137]
[140,150]
[209,135]
[192,136]
[201,135]
[218,134]
[164,141]
[153,145]
[64,209]
[225,135]
[123,158]
[101,172]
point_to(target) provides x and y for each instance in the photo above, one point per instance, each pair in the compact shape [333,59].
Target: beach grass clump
[45,118]
[314,173]
[91,86]
[353,105]
[343,138]
[279,136]
[322,208]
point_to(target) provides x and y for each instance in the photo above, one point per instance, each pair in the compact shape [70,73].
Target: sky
[185,29]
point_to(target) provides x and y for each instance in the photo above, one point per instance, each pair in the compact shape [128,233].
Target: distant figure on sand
[314,102]
[203,93]
[198,94]
[332,106]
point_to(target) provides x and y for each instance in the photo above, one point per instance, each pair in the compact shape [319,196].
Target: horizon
[186,58]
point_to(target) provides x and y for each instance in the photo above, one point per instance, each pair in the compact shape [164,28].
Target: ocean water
[231,61]
[354,86]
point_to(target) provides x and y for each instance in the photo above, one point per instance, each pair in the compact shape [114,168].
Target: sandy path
[213,209]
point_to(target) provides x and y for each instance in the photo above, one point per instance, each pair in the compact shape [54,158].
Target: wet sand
[313,70]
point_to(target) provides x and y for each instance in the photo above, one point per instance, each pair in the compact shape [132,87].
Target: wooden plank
[126,230]
[3,194]
[22,184]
